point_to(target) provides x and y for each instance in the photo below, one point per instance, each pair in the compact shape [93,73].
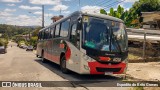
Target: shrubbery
[3,42]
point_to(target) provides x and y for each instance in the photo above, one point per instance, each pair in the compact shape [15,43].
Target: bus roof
[98,15]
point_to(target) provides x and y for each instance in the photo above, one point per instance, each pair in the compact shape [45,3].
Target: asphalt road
[20,65]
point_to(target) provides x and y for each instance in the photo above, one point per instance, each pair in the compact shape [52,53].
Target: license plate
[108,73]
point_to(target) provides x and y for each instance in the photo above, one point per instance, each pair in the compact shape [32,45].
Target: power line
[103,2]
[97,3]
[100,4]
[112,4]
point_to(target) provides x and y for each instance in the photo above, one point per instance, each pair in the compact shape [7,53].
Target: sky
[29,12]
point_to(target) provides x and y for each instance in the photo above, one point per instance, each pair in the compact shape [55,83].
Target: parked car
[29,48]
[3,49]
[23,46]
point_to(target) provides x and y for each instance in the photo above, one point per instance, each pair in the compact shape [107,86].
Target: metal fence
[145,39]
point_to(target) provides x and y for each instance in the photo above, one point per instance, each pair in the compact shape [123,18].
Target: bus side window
[48,33]
[44,34]
[64,28]
[73,37]
[57,30]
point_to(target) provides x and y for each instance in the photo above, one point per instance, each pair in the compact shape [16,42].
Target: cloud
[131,0]
[126,9]
[29,7]
[93,9]
[66,12]
[23,17]
[13,1]
[44,2]
[23,20]
[38,13]
[9,10]
[67,0]
[11,4]
[59,7]
[48,15]
[5,14]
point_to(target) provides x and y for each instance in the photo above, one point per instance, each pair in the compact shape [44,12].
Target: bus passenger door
[74,63]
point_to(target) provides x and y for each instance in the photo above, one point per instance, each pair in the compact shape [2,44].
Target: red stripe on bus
[68,53]
[94,65]
[51,57]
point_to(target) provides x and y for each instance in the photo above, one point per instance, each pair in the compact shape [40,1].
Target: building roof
[155,14]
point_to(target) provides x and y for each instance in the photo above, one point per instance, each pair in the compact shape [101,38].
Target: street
[19,65]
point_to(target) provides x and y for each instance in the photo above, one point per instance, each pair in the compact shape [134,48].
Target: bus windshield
[104,35]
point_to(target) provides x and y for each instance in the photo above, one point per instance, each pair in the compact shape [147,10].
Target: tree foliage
[102,11]
[132,17]
[9,30]
[3,42]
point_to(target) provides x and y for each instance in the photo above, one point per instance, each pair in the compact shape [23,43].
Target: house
[56,18]
[151,20]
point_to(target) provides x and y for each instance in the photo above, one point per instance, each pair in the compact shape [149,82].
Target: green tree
[33,41]
[3,42]
[112,13]
[144,6]
[102,11]
[132,17]
[36,31]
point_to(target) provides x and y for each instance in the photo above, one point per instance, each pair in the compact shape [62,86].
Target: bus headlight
[117,59]
[86,67]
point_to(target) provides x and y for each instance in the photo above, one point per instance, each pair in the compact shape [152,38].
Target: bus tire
[63,65]
[43,59]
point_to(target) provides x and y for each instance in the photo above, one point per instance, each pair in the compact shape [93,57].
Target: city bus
[85,43]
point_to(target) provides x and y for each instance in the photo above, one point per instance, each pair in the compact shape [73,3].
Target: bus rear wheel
[43,59]
[63,65]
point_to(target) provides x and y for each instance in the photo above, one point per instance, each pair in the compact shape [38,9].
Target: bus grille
[108,69]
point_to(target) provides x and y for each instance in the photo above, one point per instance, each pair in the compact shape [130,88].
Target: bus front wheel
[63,65]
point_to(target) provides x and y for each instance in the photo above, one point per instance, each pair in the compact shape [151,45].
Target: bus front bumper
[98,68]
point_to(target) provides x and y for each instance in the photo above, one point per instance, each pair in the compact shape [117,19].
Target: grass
[133,57]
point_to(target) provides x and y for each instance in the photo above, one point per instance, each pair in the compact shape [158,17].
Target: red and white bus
[85,43]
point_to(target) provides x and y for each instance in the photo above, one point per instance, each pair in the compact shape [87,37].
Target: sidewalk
[144,71]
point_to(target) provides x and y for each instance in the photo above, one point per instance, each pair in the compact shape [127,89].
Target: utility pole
[60,11]
[79,4]
[42,16]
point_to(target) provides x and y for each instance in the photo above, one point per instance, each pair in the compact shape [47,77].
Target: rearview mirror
[79,24]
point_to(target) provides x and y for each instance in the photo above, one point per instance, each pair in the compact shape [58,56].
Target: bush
[3,42]
[33,41]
